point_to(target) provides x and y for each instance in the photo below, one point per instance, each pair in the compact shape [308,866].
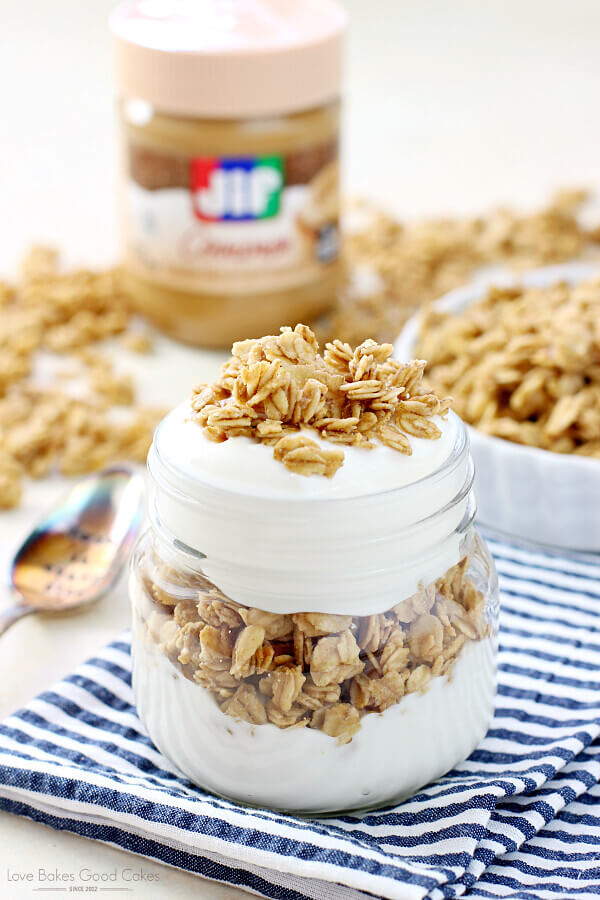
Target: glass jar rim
[320,554]
[159,469]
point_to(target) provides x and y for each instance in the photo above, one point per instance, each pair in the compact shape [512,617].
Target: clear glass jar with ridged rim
[315,656]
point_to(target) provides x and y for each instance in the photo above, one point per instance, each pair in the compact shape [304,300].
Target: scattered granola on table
[523,364]
[54,315]
[314,670]
[278,388]
[413,263]
[65,313]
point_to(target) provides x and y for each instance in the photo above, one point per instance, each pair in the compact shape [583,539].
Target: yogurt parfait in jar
[314,613]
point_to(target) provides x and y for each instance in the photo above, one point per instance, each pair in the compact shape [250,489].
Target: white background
[451,107]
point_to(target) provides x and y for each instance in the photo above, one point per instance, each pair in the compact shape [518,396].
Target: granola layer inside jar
[310,669]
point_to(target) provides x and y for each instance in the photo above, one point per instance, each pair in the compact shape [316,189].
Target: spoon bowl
[76,553]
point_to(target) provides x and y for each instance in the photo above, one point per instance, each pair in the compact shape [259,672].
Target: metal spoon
[76,553]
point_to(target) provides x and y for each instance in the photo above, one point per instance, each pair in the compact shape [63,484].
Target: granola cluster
[55,316]
[416,263]
[523,364]
[66,312]
[312,670]
[278,388]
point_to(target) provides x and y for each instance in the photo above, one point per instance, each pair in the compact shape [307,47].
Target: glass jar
[314,655]
[229,197]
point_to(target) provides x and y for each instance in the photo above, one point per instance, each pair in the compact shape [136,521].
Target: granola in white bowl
[521,356]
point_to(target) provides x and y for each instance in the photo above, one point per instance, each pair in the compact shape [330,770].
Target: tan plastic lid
[229,58]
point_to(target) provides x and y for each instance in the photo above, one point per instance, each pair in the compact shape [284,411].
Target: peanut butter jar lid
[229,58]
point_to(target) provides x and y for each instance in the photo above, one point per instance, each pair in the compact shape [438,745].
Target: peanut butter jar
[229,188]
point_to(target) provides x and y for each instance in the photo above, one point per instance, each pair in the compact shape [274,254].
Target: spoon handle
[12,614]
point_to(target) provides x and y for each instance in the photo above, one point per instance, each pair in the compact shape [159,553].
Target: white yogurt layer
[304,770]
[354,544]
[247,467]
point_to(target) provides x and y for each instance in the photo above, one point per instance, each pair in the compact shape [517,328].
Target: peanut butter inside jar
[229,196]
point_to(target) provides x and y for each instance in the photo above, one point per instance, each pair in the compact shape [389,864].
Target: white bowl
[532,494]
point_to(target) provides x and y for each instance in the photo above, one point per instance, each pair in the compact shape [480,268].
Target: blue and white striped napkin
[520,818]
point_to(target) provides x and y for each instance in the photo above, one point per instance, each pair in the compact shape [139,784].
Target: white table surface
[451,108]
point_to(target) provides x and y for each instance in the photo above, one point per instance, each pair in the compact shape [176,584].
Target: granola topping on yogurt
[278,388]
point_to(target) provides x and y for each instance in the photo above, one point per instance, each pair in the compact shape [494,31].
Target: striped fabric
[520,818]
